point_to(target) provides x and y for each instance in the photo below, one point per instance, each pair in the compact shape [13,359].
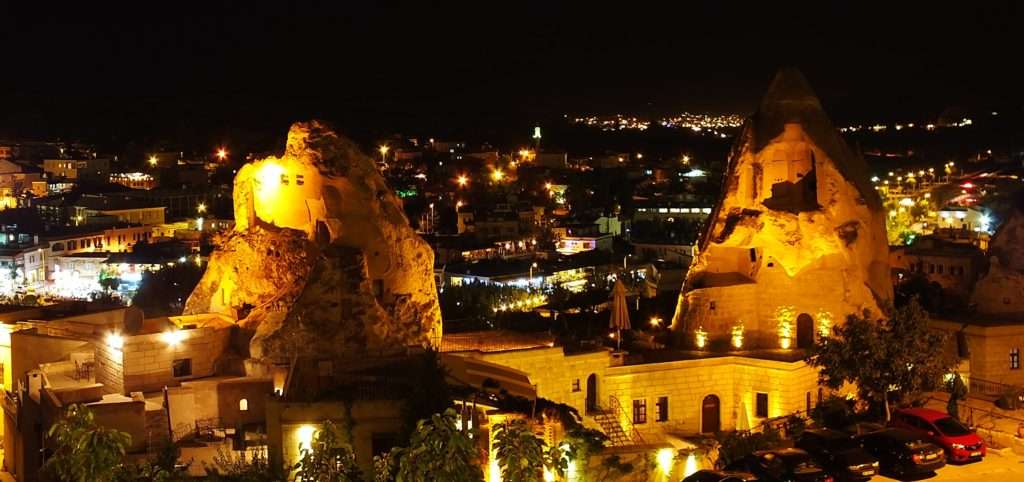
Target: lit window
[1014,358]
[762,405]
[182,368]
[243,405]
[640,411]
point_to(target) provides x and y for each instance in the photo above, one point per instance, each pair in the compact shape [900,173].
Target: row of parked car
[917,441]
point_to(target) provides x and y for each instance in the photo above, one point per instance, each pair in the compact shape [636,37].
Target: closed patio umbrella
[619,319]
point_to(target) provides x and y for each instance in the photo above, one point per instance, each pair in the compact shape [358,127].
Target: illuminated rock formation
[1001,290]
[797,238]
[322,258]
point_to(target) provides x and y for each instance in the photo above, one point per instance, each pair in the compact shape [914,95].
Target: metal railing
[987,387]
[617,407]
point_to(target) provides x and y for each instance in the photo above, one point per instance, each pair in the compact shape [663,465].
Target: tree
[247,466]
[438,450]
[327,458]
[733,446]
[885,358]
[110,284]
[83,451]
[522,455]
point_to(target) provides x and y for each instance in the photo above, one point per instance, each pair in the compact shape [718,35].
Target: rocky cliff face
[799,230]
[322,259]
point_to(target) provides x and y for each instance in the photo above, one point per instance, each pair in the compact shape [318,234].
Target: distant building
[953,266]
[134,180]
[96,169]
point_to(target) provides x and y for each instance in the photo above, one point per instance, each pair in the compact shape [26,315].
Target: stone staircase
[609,420]
[609,423]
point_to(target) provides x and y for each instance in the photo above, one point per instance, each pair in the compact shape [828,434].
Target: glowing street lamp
[497,175]
[201,208]
[222,154]
[152,161]
[462,180]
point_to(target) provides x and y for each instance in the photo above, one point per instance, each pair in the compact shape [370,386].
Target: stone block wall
[148,360]
[110,368]
[557,376]
[734,380]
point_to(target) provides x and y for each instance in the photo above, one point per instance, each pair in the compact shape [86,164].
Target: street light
[462,180]
[431,218]
[530,280]
[497,174]
[383,149]
[152,161]
[201,208]
[222,154]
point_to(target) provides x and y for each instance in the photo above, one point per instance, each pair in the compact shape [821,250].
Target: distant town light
[222,153]
[201,207]
[462,180]
[153,160]
[497,174]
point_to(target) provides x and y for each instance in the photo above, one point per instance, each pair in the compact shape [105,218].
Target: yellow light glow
[497,175]
[655,321]
[383,149]
[691,465]
[666,457]
[222,153]
[824,323]
[494,470]
[737,336]
[785,343]
[549,476]
[115,341]
[269,176]
[701,337]
[547,185]
[172,337]
[906,202]
[462,180]
[305,436]
[201,207]
[152,161]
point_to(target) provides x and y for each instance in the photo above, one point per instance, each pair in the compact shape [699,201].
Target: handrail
[634,433]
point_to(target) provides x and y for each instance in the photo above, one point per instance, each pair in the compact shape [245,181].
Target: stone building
[799,228]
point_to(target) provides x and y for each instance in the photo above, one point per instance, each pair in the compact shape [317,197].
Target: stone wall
[990,348]
[149,360]
[110,368]
[557,376]
[734,380]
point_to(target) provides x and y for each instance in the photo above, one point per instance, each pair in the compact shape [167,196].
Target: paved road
[996,467]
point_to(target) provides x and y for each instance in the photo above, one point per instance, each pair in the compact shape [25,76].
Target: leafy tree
[522,455]
[893,357]
[110,284]
[733,446]
[247,466]
[327,458]
[82,450]
[163,468]
[583,443]
[438,450]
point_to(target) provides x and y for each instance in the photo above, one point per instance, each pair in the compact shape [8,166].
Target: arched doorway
[592,393]
[710,410]
[804,331]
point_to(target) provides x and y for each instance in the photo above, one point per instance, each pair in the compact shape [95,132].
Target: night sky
[170,70]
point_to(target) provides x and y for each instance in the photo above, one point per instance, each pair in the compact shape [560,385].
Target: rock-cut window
[243,405]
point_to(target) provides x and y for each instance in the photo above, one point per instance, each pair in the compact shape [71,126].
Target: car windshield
[950,426]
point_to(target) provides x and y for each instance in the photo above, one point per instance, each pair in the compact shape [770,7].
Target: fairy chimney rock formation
[322,258]
[797,239]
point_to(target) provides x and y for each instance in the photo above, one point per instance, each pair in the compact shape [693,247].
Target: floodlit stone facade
[1001,291]
[322,258]
[799,228]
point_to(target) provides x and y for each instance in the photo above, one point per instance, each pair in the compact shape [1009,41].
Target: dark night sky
[98,70]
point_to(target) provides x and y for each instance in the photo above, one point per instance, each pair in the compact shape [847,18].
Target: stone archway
[592,405]
[804,331]
[710,414]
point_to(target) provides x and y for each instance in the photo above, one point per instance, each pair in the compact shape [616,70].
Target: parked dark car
[961,443]
[840,454]
[721,476]
[901,452]
[861,428]
[782,465]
